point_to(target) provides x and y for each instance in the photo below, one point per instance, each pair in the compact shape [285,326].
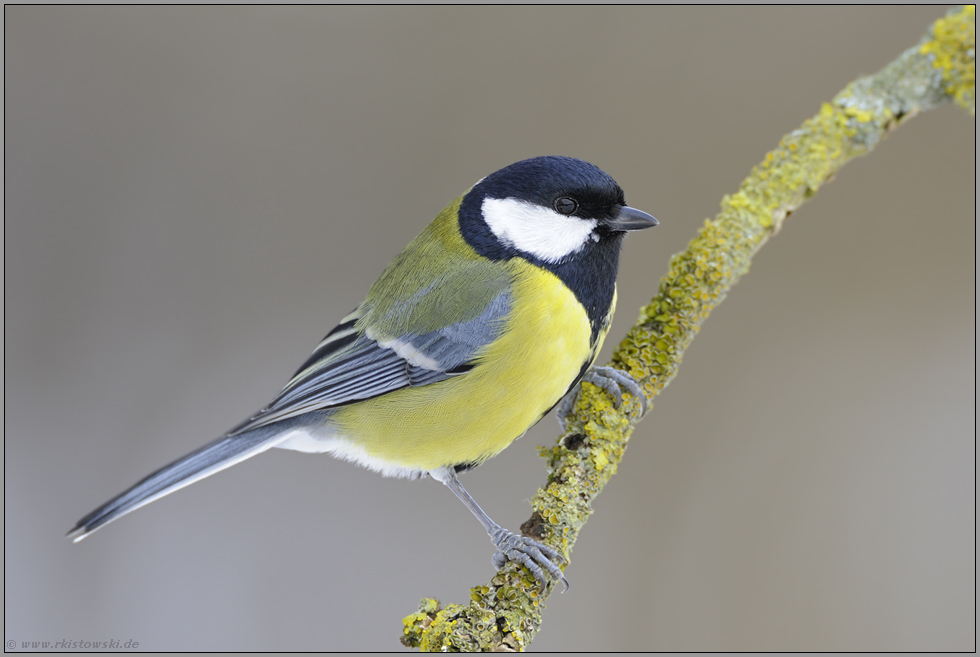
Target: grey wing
[351,364]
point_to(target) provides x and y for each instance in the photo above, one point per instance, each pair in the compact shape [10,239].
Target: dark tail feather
[211,458]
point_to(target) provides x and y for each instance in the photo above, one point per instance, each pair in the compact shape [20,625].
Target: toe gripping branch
[613,381]
[529,553]
[537,557]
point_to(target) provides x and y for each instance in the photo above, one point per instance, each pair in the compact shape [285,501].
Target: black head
[546,209]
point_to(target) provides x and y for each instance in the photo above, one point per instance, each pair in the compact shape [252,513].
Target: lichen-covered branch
[505,614]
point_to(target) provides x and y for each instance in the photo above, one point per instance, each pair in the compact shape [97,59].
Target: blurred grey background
[195,196]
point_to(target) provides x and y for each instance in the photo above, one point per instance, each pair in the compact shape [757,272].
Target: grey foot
[613,381]
[529,553]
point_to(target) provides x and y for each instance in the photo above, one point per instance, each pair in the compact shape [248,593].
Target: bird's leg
[510,546]
[613,381]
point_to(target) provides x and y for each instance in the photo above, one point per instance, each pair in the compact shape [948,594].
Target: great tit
[470,336]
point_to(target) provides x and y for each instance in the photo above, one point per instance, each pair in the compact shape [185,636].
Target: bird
[483,324]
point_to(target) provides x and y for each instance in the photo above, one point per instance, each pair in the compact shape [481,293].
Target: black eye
[565,205]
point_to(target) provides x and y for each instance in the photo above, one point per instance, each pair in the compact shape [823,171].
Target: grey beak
[631,219]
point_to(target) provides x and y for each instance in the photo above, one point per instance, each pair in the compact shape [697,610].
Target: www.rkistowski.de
[68,644]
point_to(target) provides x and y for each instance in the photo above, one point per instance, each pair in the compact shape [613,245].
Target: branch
[505,614]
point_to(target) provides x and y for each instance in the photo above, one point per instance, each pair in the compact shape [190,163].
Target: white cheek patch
[534,229]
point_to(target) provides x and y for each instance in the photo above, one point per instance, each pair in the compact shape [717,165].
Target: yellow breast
[473,416]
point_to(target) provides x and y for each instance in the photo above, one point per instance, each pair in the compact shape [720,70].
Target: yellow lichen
[953,48]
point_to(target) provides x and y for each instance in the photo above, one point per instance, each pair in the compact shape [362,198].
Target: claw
[529,553]
[611,380]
